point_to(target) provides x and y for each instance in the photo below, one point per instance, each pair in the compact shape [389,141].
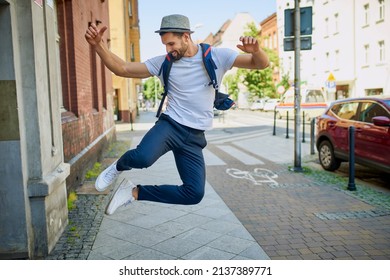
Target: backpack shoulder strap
[221,100]
[209,64]
[165,69]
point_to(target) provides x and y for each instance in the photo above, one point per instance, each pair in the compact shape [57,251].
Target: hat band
[176,28]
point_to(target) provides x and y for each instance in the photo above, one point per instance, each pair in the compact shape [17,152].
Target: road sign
[331,78]
[288,43]
[330,84]
[306,21]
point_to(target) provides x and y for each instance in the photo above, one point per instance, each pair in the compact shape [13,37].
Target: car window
[370,110]
[346,111]
[288,99]
[314,96]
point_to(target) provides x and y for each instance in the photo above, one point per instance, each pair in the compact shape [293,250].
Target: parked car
[371,118]
[313,103]
[217,112]
[258,104]
[270,104]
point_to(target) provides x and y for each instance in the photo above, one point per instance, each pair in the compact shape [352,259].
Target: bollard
[351,181]
[131,120]
[274,132]
[312,136]
[303,127]
[287,127]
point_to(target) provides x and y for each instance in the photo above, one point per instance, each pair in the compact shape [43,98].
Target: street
[263,122]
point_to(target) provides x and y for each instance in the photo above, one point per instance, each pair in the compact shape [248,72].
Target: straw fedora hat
[175,23]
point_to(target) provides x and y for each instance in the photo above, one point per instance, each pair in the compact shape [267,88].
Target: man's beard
[177,55]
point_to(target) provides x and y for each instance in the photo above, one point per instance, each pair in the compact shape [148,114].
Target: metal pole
[297,88]
[287,125]
[312,136]
[351,181]
[303,127]
[274,131]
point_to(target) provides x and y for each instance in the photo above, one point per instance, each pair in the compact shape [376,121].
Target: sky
[206,16]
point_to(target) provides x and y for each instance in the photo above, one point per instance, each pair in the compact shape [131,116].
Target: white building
[350,41]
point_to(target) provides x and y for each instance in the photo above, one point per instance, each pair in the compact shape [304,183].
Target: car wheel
[326,156]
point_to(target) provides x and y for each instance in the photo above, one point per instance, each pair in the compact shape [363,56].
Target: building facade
[56,113]
[350,47]
[125,43]
[33,172]
[87,92]
[270,39]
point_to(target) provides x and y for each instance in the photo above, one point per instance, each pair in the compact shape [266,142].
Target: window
[326,27]
[275,45]
[381,45]
[370,110]
[336,23]
[314,96]
[132,52]
[327,60]
[374,91]
[366,54]
[366,14]
[94,78]
[346,111]
[130,9]
[381,10]
[336,59]
[314,66]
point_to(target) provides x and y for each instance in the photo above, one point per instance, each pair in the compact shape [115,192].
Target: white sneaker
[122,196]
[107,177]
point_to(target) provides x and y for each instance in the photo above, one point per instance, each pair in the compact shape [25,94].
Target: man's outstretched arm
[254,57]
[119,67]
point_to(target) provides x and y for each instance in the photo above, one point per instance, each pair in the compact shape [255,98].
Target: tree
[284,82]
[152,89]
[259,82]
[231,84]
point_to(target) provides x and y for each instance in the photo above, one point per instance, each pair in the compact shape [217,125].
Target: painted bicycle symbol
[258,176]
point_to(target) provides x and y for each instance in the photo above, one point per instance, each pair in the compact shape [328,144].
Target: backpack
[221,101]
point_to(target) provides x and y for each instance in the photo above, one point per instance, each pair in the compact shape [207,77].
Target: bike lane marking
[258,176]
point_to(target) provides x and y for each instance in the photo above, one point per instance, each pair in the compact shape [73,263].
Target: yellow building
[124,42]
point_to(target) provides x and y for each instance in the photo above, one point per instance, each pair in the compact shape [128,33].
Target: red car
[371,118]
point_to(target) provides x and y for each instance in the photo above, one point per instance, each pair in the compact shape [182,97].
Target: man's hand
[94,35]
[249,44]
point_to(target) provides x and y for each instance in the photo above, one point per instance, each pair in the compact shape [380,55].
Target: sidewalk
[147,230]
[278,214]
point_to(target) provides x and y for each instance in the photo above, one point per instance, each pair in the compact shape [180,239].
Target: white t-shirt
[190,97]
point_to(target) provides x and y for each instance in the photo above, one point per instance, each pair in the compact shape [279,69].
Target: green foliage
[151,87]
[284,82]
[252,30]
[231,83]
[71,199]
[94,172]
[259,82]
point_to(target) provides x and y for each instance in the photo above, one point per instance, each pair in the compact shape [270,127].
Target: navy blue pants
[186,144]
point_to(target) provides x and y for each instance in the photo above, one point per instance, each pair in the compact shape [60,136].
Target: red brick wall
[87,87]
